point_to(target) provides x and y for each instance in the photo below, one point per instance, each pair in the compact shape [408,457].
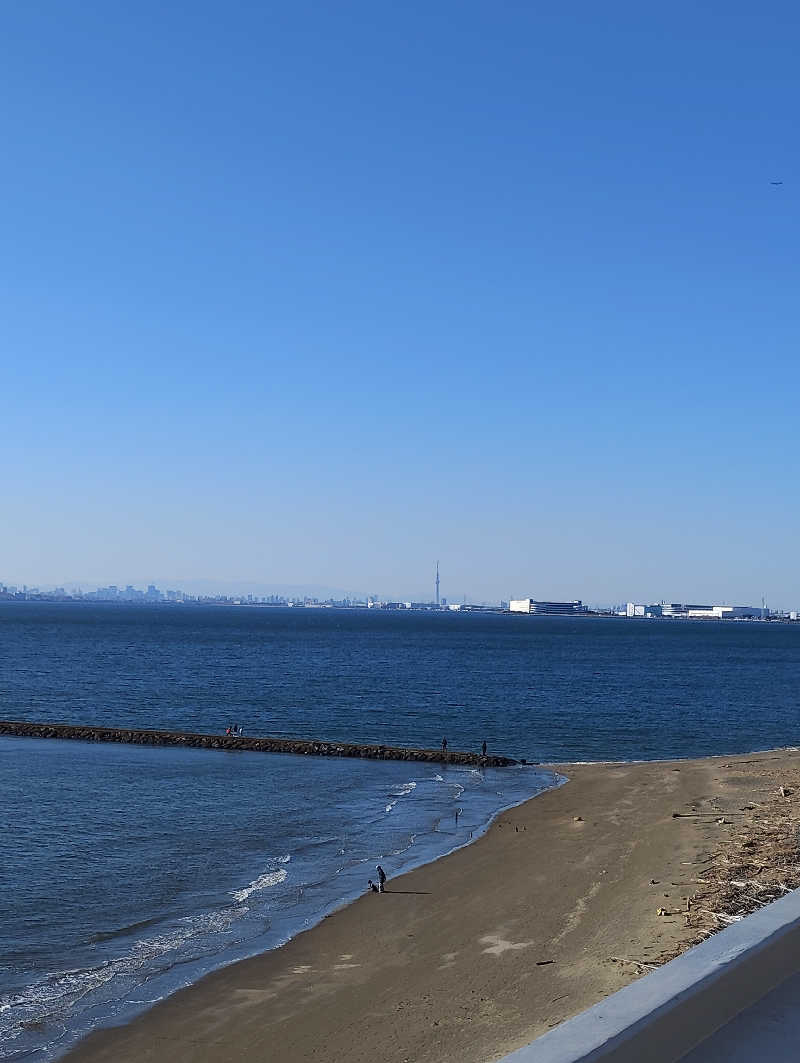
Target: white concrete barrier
[663,1015]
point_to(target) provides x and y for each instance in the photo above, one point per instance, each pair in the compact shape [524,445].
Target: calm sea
[126,872]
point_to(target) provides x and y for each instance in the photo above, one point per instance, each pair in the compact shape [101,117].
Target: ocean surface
[127,872]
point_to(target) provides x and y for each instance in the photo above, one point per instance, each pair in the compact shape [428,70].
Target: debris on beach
[641,964]
[753,864]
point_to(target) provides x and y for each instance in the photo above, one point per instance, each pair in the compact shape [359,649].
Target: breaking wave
[263,882]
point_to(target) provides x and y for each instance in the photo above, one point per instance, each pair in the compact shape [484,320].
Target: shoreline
[499,790]
[553,907]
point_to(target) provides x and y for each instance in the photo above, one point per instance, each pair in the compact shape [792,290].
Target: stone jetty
[301,747]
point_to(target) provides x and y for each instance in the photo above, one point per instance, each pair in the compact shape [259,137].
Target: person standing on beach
[381,878]
[444,745]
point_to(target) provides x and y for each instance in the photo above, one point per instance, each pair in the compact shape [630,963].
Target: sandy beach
[566,899]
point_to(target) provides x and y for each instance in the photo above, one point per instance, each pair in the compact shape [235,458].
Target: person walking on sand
[381,878]
[444,745]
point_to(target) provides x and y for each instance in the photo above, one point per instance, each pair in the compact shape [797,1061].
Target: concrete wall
[663,1015]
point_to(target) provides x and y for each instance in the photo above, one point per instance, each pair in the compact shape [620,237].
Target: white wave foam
[390,806]
[438,778]
[55,993]
[263,882]
[404,789]
[284,859]
[399,852]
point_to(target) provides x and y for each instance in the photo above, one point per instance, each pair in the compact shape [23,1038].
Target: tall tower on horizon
[437,582]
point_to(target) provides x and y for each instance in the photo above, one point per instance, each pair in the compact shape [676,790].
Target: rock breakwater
[301,747]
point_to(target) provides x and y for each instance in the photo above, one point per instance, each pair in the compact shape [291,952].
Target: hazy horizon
[511,288]
[329,591]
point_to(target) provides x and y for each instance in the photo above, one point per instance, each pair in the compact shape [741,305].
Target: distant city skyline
[156,590]
[509,287]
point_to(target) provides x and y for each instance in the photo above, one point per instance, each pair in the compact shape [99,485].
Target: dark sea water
[126,872]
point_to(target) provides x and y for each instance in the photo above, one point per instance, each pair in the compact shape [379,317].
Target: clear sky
[321,292]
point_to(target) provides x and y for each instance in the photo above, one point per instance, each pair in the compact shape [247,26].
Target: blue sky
[319,293]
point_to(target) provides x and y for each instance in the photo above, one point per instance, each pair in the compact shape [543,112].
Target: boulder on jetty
[303,747]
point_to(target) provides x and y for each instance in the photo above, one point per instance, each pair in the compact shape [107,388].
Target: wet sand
[566,899]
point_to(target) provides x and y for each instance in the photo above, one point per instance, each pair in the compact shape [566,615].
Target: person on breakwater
[444,745]
[483,748]
[381,878]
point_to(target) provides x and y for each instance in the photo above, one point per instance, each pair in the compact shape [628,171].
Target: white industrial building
[530,605]
[692,612]
[711,612]
[632,609]
[725,612]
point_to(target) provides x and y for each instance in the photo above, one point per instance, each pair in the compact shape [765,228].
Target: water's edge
[557,780]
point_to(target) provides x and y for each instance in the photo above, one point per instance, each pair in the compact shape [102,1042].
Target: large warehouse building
[529,605]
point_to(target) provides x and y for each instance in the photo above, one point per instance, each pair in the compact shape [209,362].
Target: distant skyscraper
[437,582]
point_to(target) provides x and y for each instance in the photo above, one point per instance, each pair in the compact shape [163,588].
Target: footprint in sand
[497,945]
[345,966]
[302,969]
[448,960]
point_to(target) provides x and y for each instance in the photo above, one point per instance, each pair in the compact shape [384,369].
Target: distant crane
[437,584]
